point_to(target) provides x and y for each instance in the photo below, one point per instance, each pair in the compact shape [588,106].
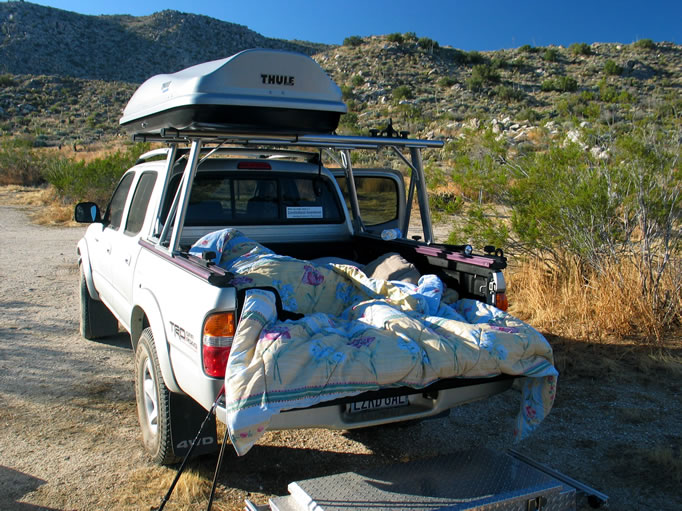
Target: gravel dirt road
[69,437]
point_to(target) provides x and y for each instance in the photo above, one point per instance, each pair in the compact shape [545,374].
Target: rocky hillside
[43,40]
[68,76]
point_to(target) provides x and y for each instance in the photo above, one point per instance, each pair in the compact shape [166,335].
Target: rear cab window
[251,198]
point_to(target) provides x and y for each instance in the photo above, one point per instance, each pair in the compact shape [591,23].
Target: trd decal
[183,335]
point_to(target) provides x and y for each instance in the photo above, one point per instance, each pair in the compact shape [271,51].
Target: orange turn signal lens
[220,324]
[216,343]
[501,301]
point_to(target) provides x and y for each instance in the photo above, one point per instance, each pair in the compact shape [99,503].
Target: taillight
[216,342]
[501,301]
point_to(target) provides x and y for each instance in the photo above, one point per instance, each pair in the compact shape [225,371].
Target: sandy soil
[69,437]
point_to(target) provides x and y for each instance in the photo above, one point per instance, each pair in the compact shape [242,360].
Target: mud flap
[186,417]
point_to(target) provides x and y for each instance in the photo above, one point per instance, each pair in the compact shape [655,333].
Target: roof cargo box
[254,91]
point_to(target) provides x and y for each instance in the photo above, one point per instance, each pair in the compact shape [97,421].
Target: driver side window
[114,212]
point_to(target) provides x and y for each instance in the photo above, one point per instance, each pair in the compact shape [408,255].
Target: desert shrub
[474,57]
[559,84]
[447,81]
[580,49]
[499,63]
[572,210]
[357,81]
[527,48]
[551,55]
[94,180]
[349,123]
[6,80]
[353,40]
[410,37]
[402,92]
[612,69]
[612,94]
[482,74]
[426,43]
[20,164]
[529,114]
[644,44]
[346,91]
[395,37]
[508,94]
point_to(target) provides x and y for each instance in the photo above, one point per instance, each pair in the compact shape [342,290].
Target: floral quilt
[359,334]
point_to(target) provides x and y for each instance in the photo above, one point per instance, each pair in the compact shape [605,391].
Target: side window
[377,198]
[138,206]
[114,212]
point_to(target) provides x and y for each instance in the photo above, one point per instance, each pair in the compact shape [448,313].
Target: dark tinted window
[377,198]
[249,199]
[138,206]
[114,213]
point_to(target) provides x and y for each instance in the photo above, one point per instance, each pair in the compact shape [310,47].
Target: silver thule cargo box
[251,92]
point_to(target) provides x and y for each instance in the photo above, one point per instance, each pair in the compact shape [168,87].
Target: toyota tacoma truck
[248,142]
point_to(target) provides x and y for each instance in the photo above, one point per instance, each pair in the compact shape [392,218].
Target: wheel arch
[147,314]
[84,263]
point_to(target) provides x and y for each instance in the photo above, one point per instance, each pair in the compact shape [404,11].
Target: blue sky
[469,25]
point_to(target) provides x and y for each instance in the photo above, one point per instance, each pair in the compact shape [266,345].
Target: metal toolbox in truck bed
[254,91]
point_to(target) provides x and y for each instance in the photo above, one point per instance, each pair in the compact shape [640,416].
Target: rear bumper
[427,402]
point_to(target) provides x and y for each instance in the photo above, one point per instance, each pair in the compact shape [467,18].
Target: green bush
[559,84]
[644,44]
[508,94]
[349,124]
[474,57]
[402,92]
[612,69]
[76,180]
[481,75]
[446,81]
[527,48]
[7,80]
[410,37]
[580,49]
[529,114]
[551,55]
[20,164]
[353,40]
[346,92]
[395,37]
[426,43]
[358,81]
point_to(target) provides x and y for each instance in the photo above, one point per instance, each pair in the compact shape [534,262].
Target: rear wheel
[96,320]
[153,402]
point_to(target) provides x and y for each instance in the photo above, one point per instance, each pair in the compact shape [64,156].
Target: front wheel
[153,402]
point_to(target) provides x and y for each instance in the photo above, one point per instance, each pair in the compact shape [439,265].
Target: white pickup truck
[250,144]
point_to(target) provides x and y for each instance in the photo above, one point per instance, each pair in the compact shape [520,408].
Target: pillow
[392,267]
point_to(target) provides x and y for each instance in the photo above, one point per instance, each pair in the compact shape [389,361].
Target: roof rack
[260,139]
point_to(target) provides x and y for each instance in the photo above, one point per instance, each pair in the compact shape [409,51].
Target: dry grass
[607,307]
[47,208]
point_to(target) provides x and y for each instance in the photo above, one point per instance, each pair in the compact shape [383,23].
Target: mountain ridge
[39,40]
[76,88]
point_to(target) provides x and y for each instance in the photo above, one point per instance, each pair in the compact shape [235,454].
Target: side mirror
[87,213]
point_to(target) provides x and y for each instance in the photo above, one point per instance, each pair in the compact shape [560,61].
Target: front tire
[96,320]
[153,402]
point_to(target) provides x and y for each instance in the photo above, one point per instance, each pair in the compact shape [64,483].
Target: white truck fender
[84,263]
[147,306]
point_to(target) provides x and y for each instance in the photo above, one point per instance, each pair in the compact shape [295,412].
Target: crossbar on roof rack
[331,141]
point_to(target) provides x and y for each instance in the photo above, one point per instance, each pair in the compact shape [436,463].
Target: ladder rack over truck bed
[252,155]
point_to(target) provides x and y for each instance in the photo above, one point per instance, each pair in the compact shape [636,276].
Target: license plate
[377,404]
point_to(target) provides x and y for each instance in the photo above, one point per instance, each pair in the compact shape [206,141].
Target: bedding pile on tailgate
[357,334]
